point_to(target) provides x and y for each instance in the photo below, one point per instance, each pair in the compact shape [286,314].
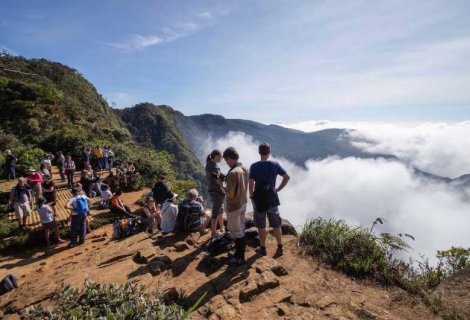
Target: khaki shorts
[22,210]
[236,222]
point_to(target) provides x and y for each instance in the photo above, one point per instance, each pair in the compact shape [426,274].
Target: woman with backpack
[216,194]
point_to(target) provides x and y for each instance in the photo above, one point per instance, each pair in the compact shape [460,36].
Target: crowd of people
[228,193]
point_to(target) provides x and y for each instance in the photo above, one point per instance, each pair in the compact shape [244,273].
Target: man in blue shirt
[263,192]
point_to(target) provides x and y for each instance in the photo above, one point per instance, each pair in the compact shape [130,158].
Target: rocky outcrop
[454,293]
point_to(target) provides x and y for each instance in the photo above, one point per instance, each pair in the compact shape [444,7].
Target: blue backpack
[82,206]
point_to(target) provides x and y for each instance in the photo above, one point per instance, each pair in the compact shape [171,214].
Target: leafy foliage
[107,301]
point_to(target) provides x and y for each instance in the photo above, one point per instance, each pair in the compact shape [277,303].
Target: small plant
[107,301]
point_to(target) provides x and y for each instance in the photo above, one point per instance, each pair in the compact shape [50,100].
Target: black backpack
[187,220]
[220,244]
[7,284]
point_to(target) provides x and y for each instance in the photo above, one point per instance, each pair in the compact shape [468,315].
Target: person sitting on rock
[149,215]
[47,217]
[160,190]
[169,213]
[106,196]
[118,207]
[197,219]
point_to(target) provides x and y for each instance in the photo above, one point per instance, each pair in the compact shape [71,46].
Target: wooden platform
[63,196]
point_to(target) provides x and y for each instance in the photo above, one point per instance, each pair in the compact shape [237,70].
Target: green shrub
[354,250]
[107,301]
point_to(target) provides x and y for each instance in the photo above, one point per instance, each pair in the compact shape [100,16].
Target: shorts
[236,222]
[274,218]
[217,204]
[22,210]
[49,225]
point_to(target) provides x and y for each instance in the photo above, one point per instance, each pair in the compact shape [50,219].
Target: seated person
[191,206]
[149,214]
[130,170]
[106,195]
[168,213]
[47,217]
[118,207]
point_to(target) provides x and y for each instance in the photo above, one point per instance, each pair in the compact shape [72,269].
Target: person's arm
[285,180]
[147,212]
[251,187]
[69,205]
[229,189]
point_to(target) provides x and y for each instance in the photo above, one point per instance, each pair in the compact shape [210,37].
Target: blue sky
[269,61]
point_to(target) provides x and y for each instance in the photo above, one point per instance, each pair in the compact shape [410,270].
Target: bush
[354,250]
[107,301]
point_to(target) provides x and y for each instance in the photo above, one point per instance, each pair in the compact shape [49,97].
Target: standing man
[10,165]
[235,203]
[60,164]
[20,200]
[263,192]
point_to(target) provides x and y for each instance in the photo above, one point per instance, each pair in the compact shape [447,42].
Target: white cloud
[360,190]
[137,42]
[438,148]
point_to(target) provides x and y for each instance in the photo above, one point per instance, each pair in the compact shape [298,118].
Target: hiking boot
[235,262]
[261,251]
[279,252]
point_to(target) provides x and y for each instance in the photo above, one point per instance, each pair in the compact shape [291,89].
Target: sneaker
[279,252]
[261,251]
[235,262]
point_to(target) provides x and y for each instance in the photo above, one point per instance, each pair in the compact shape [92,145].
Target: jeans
[110,163]
[78,228]
[70,179]
[105,163]
[11,171]
[62,173]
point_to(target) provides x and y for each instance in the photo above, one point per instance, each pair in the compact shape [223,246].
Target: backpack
[126,227]
[82,206]
[7,284]
[220,244]
[187,220]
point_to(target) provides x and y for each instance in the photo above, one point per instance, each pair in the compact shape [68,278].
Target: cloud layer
[438,148]
[359,190]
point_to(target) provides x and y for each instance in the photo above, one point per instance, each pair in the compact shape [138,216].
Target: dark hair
[41,201]
[118,192]
[231,153]
[213,154]
[264,149]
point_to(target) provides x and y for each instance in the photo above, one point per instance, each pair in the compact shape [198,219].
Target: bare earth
[290,287]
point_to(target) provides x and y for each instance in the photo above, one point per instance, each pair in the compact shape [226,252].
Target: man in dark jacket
[160,190]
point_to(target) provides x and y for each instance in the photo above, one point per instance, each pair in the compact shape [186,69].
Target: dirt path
[291,287]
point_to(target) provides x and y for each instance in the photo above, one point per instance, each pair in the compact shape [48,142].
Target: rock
[279,271]
[181,246]
[226,312]
[288,228]
[268,280]
[279,295]
[159,264]
[249,291]
[454,292]
[325,301]
[282,310]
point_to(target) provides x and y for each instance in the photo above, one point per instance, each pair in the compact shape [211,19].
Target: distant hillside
[47,106]
[291,144]
[157,126]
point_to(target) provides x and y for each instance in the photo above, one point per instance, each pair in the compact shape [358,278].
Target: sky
[268,61]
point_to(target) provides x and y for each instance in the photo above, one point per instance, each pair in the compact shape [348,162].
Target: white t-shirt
[168,213]
[46,214]
[106,195]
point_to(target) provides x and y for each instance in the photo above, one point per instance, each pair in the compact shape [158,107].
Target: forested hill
[291,144]
[47,106]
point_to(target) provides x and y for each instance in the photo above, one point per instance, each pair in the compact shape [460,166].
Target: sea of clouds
[360,190]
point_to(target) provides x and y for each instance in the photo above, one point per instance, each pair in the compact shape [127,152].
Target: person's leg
[46,235]
[26,213]
[221,222]
[74,230]
[260,222]
[19,215]
[57,232]
[275,222]
[82,229]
